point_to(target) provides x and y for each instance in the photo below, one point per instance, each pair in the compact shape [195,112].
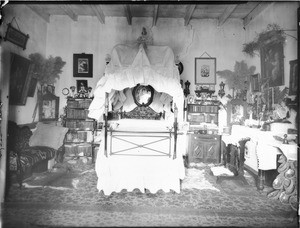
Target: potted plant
[46,71]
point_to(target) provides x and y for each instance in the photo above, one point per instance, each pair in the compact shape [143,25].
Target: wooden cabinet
[204,148]
[80,137]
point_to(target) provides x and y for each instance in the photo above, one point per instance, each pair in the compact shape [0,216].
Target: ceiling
[221,10]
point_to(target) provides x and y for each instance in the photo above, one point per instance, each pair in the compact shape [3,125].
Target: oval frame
[136,93]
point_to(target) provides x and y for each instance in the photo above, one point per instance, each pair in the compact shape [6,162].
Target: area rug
[58,178]
[197,179]
[85,206]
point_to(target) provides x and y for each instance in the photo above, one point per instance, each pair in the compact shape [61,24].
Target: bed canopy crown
[133,64]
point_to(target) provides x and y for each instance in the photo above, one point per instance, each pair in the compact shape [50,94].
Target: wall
[29,23]
[285,15]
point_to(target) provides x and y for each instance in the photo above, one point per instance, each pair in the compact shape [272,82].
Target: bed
[140,101]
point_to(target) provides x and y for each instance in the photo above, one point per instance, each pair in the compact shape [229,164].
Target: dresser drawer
[80,124]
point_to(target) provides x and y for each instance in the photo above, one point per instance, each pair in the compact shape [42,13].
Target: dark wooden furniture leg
[236,158]
[261,180]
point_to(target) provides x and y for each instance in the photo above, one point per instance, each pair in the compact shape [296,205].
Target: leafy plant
[236,79]
[48,70]
[272,34]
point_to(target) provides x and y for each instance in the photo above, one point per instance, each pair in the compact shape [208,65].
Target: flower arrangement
[47,71]
[272,34]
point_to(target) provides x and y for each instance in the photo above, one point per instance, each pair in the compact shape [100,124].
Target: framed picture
[293,77]
[32,86]
[255,82]
[48,107]
[272,69]
[205,71]
[20,77]
[83,65]
[16,37]
[48,89]
[81,85]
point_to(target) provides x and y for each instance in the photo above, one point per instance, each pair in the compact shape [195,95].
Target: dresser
[79,140]
[204,148]
[204,143]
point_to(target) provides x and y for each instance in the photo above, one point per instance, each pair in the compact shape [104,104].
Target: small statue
[285,141]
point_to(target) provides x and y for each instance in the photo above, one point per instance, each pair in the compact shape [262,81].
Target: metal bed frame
[157,135]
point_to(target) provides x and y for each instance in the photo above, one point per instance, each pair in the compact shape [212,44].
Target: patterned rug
[205,205]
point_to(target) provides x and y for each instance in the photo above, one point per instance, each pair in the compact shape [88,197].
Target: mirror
[143,95]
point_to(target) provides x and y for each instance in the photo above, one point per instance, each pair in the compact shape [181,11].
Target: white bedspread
[124,171]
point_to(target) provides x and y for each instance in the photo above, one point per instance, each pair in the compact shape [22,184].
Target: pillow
[129,103]
[48,135]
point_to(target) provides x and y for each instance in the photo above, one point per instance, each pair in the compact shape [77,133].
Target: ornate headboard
[141,112]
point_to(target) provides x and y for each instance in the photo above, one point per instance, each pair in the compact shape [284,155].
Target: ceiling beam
[69,12]
[189,14]
[99,13]
[40,12]
[155,15]
[128,14]
[226,14]
[256,11]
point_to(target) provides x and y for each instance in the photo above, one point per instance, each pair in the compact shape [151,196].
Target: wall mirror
[143,95]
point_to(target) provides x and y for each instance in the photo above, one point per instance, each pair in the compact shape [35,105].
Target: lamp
[221,92]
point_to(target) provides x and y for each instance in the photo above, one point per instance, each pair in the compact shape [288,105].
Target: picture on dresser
[205,71]
[48,108]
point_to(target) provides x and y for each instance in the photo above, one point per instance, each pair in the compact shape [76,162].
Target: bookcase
[80,137]
[203,113]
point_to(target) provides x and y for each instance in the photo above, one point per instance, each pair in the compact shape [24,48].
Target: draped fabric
[131,65]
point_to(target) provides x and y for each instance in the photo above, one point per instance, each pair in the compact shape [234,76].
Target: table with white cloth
[267,148]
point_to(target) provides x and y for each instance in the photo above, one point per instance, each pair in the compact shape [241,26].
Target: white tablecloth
[267,147]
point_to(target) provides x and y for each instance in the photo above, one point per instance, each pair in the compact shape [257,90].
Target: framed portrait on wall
[83,65]
[272,64]
[205,71]
[20,78]
[293,77]
[255,82]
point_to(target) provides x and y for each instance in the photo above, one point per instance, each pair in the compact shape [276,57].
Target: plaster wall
[88,35]
[28,23]
[285,15]
[31,24]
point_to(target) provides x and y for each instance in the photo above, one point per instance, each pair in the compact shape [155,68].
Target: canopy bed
[140,101]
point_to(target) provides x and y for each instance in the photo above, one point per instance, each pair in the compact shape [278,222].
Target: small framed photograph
[83,65]
[255,82]
[205,71]
[82,86]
